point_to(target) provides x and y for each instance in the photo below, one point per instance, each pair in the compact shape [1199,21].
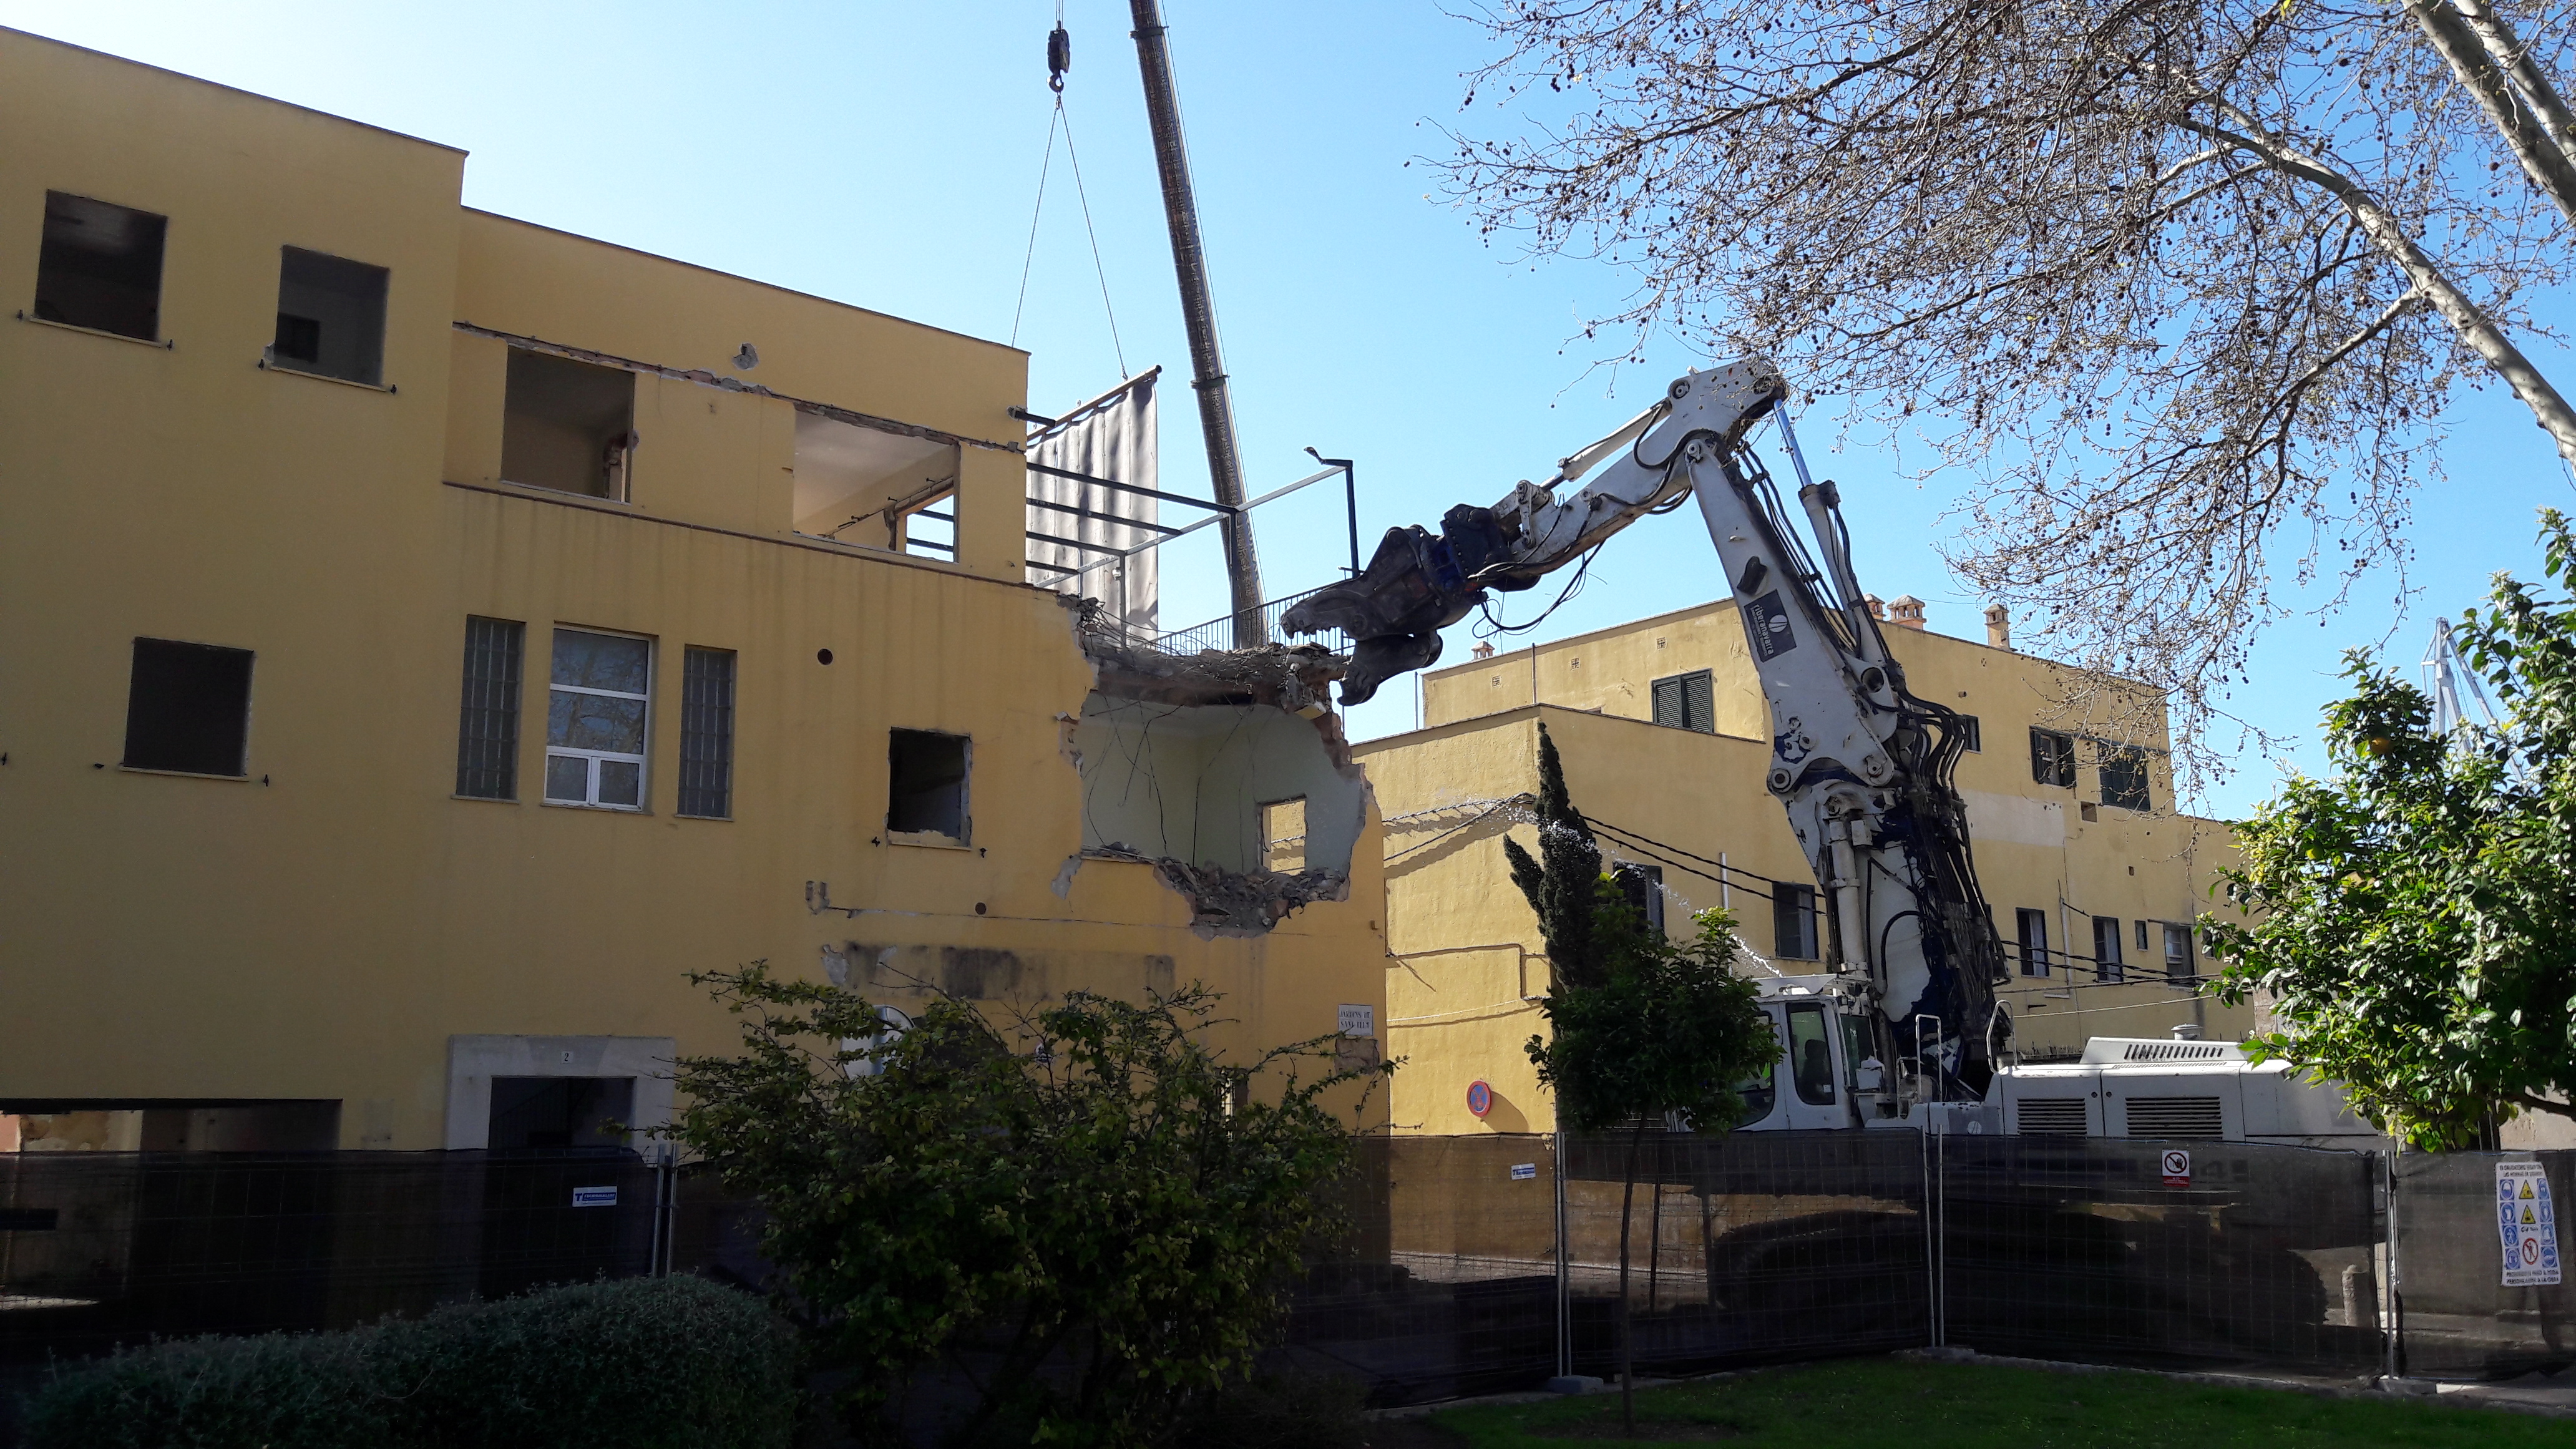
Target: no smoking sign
[2177,1167]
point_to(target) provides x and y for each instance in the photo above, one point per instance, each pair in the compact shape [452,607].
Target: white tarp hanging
[1110,437]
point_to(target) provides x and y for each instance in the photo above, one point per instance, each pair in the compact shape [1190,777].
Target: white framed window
[600,696]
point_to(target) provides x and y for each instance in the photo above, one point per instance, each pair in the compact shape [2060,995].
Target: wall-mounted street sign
[1480,1098]
[2527,1226]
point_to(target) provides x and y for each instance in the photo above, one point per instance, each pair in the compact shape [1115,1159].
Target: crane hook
[1059,58]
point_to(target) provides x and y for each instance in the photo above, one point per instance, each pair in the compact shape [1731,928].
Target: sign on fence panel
[1524,1172]
[2177,1167]
[594,1197]
[2527,1225]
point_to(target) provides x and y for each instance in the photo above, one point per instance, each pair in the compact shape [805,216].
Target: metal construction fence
[1476,1264]
[100,1248]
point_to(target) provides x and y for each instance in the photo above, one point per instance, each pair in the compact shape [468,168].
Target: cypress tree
[1562,883]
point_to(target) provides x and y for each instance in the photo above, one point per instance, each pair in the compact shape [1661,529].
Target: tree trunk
[2496,33]
[2543,156]
[1627,1343]
[2468,323]
[1654,1241]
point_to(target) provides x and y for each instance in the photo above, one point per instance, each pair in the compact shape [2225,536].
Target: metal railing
[1218,633]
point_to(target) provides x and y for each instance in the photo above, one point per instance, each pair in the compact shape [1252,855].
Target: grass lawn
[1877,1403]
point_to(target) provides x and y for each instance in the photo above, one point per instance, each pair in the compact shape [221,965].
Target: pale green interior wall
[1188,781]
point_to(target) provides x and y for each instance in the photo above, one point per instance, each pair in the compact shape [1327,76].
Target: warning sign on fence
[2177,1167]
[2527,1225]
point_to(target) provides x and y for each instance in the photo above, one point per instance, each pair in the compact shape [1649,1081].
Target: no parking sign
[2527,1225]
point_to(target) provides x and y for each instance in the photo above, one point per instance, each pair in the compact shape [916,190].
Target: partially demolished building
[2094,877]
[491,625]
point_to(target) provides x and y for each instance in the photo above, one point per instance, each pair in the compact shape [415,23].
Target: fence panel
[2458,1317]
[1448,1284]
[102,1248]
[1746,1247]
[2087,1249]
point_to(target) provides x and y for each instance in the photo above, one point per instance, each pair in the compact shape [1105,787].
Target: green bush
[640,1364]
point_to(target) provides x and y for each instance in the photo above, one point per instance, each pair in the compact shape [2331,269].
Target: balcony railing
[1218,633]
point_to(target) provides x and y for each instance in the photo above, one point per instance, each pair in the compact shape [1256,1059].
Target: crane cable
[1059,49]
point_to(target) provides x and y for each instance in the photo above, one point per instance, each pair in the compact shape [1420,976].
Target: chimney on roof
[1484,649]
[1906,612]
[1999,626]
[1877,606]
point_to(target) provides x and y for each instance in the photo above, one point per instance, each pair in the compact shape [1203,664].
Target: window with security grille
[2052,757]
[487,725]
[2030,929]
[706,733]
[599,693]
[1687,702]
[2107,964]
[1793,921]
[2124,778]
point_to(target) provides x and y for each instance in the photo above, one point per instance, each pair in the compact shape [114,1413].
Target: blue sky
[887,156]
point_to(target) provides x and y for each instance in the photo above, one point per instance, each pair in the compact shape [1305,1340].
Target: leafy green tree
[1086,1215]
[1639,1025]
[2413,915]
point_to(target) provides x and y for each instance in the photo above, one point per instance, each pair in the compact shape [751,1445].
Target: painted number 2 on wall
[2526,1224]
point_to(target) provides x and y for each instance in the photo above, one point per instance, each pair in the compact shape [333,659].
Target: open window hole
[330,317]
[881,489]
[568,426]
[926,787]
[99,266]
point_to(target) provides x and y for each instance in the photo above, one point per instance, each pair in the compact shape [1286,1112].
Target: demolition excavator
[1862,764]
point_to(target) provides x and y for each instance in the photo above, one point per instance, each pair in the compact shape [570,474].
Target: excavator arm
[1862,765]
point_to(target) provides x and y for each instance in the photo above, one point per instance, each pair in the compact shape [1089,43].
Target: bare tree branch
[2187,285]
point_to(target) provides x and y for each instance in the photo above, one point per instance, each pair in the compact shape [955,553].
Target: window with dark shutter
[487,728]
[1643,885]
[2178,959]
[2052,757]
[706,733]
[188,708]
[2107,965]
[2124,779]
[1687,702]
[2031,929]
[1970,737]
[1793,921]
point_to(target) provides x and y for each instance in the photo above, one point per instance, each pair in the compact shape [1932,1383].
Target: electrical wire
[1650,841]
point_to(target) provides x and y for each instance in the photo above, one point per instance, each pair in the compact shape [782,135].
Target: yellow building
[2093,877]
[425,636]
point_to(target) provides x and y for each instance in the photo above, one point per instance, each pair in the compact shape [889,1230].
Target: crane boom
[1862,765]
